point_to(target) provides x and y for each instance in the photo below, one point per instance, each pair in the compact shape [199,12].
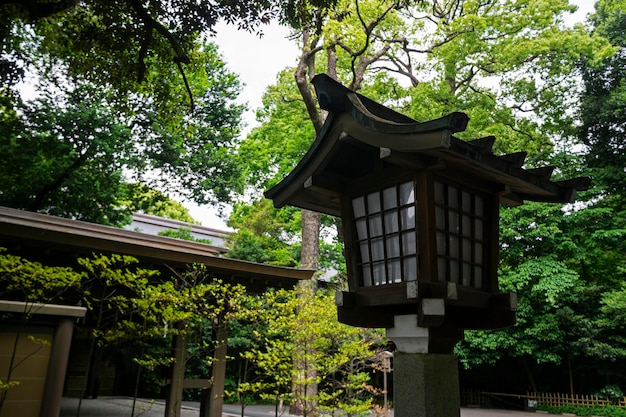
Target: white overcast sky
[258,61]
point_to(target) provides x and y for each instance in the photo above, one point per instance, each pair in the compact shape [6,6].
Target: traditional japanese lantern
[420,213]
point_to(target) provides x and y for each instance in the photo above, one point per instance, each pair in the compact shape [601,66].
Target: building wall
[30,367]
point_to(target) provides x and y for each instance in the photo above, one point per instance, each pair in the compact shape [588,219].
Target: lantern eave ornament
[420,213]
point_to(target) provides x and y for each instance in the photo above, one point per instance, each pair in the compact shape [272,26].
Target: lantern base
[410,336]
[426,385]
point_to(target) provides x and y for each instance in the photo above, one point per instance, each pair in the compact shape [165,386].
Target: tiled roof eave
[71,235]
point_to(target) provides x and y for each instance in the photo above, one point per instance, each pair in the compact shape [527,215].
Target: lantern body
[421,228]
[418,235]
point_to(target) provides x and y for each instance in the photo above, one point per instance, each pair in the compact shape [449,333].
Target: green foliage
[130,307]
[191,306]
[567,267]
[609,411]
[5,386]
[603,224]
[273,149]
[509,71]
[142,199]
[83,139]
[305,329]
[35,284]
[24,280]
[183,233]
[264,234]
[602,110]
[512,73]
[119,44]
[111,285]
[536,263]
[136,308]
[612,393]
[73,146]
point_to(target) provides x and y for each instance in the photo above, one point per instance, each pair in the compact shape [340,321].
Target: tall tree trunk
[571,375]
[529,374]
[310,240]
[303,390]
[303,370]
[313,43]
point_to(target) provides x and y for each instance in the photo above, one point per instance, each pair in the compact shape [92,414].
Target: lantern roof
[360,134]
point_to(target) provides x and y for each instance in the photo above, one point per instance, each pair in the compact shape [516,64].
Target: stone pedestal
[425,384]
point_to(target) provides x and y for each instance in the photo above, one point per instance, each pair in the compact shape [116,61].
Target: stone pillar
[425,384]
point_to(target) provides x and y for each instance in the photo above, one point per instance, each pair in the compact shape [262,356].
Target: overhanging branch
[152,24]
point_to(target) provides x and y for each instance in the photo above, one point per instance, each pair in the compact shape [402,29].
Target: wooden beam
[76,238]
[484,144]
[411,160]
[543,172]
[516,159]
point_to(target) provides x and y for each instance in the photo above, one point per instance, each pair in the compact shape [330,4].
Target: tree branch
[306,65]
[37,203]
[152,24]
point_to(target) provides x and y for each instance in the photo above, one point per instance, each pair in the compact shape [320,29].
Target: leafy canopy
[118,43]
[82,140]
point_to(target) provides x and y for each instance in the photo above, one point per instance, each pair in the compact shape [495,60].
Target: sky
[258,61]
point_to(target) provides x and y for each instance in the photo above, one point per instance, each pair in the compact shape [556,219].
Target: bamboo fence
[476,398]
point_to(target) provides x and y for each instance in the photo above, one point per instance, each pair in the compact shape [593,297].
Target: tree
[321,34]
[142,199]
[510,71]
[264,234]
[450,53]
[72,140]
[339,355]
[602,132]
[536,263]
[119,43]
[189,304]
[602,112]
[57,151]
[565,262]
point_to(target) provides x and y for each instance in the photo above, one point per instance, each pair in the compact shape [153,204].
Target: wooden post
[175,395]
[57,367]
[216,396]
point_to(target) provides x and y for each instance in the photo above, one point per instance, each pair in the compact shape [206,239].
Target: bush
[612,393]
[608,411]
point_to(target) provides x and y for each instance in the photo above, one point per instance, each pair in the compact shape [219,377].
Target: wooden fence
[475,398]
[558,400]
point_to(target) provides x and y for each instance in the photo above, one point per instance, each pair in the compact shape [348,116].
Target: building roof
[360,134]
[54,238]
[153,225]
